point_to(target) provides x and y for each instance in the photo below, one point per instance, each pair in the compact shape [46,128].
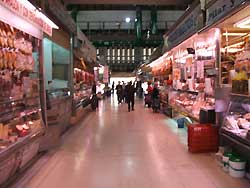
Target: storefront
[232,95]
[162,72]
[83,77]
[193,57]
[22,100]
[57,78]
[194,76]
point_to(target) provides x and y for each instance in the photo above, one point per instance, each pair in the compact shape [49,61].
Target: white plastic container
[225,160]
[237,167]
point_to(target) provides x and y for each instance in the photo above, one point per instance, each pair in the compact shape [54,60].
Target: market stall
[57,66]
[162,72]
[194,77]
[83,82]
[22,100]
[233,75]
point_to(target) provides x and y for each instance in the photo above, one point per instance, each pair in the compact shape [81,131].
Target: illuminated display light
[127,20]
[31,13]
[234,34]
[231,50]
[243,23]
[47,20]
[235,45]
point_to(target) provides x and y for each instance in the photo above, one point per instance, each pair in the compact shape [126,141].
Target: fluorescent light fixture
[243,23]
[31,7]
[234,34]
[231,50]
[28,4]
[127,20]
[235,45]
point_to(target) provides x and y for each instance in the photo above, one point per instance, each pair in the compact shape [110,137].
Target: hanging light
[127,20]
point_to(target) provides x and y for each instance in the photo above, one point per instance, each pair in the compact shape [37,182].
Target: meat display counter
[82,95]
[236,127]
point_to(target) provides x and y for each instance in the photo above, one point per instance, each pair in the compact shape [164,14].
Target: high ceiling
[129,2]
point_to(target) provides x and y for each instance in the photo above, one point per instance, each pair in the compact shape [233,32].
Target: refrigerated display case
[236,127]
[22,97]
[194,75]
[82,88]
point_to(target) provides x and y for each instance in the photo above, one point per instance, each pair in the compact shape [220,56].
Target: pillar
[154,21]
[138,23]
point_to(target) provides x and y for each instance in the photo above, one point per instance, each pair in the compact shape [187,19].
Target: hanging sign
[32,15]
[106,74]
[220,8]
[188,26]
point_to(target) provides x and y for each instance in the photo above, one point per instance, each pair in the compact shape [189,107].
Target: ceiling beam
[128,2]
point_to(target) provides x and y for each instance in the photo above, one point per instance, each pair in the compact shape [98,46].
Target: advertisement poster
[106,74]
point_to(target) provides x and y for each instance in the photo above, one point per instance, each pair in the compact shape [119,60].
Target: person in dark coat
[155,93]
[119,92]
[130,96]
[94,88]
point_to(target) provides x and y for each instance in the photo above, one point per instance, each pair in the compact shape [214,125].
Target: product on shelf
[20,112]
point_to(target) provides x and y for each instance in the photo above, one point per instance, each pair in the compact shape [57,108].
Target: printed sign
[220,8]
[187,27]
[106,74]
[33,16]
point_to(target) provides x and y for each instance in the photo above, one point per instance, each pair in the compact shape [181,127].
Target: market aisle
[116,149]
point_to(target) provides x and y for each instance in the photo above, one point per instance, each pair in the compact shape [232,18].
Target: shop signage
[106,74]
[185,28]
[32,15]
[220,8]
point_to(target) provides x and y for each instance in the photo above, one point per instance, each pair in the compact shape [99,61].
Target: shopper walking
[119,92]
[155,98]
[123,91]
[130,96]
[113,87]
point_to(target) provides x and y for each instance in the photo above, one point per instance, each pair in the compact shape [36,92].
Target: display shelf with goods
[58,74]
[22,125]
[82,87]
[233,74]
[237,122]
[162,72]
[20,110]
[193,75]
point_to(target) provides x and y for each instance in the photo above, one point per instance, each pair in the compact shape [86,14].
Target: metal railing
[121,25]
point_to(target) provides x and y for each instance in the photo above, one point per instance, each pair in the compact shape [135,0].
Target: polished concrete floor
[113,148]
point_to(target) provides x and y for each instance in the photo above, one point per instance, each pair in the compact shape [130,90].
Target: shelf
[185,113]
[7,101]
[240,98]
[187,91]
[238,143]
[20,143]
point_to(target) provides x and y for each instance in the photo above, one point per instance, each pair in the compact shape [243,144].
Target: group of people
[126,93]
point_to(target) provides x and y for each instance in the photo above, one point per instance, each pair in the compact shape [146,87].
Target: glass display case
[20,110]
[190,103]
[236,127]
[82,87]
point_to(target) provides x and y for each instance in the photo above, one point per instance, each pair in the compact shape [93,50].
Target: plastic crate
[202,138]
[181,123]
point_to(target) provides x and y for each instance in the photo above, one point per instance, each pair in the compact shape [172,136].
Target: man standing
[119,92]
[130,96]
